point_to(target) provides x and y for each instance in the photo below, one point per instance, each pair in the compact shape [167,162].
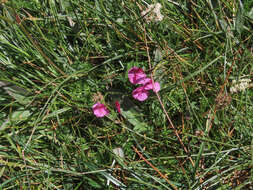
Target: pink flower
[100,110]
[156,87]
[143,81]
[136,75]
[149,86]
[140,93]
[117,106]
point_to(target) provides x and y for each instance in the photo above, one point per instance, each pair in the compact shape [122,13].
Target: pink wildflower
[156,87]
[117,106]
[140,93]
[148,85]
[100,110]
[136,75]
[144,81]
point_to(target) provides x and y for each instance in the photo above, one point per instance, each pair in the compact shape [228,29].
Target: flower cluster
[137,76]
[240,85]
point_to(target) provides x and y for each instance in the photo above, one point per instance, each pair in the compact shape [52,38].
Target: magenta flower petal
[156,87]
[144,81]
[140,94]
[100,110]
[136,75]
[117,106]
[149,86]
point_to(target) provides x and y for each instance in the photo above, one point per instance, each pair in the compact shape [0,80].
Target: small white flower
[240,85]
[119,152]
[152,13]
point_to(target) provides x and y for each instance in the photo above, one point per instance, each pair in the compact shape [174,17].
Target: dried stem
[151,165]
[162,105]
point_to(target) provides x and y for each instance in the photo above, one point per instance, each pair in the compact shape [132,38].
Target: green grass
[57,58]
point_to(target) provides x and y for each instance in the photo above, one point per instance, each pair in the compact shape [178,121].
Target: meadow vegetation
[59,58]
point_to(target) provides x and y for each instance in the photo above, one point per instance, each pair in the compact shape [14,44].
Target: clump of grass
[58,57]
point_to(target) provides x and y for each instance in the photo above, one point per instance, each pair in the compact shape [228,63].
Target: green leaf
[158,55]
[239,22]
[20,115]
[16,92]
[93,183]
[132,114]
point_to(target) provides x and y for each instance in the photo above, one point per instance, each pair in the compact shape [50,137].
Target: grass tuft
[58,58]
